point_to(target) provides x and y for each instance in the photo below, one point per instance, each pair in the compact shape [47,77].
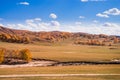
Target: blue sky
[91,16]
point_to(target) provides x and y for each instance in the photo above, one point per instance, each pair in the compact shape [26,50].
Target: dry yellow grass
[66,53]
[83,69]
[66,78]
[69,52]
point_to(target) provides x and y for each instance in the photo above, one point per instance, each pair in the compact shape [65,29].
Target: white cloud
[78,23]
[102,15]
[92,0]
[33,20]
[37,25]
[24,3]
[94,28]
[43,26]
[11,26]
[108,24]
[29,20]
[107,13]
[55,23]
[84,0]
[22,26]
[38,19]
[81,17]
[98,28]
[98,0]
[113,11]
[53,16]
[32,24]
[95,21]
[1,24]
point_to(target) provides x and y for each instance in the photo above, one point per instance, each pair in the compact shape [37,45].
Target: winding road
[54,75]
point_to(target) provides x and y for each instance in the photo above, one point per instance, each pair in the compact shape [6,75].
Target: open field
[83,69]
[66,78]
[59,39]
[69,52]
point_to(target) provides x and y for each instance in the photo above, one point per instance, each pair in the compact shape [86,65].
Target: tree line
[14,38]
[23,54]
[98,41]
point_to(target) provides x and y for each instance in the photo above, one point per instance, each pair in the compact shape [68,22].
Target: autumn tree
[2,55]
[26,55]
[115,40]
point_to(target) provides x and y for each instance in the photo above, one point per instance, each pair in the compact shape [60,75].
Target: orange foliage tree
[2,55]
[25,54]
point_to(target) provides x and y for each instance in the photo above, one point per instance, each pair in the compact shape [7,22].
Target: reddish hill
[24,36]
[6,34]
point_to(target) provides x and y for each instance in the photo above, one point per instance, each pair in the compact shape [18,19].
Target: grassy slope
[68,52]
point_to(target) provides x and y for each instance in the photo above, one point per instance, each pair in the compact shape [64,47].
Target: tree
[2,51]
[115,40]
[26,55]
[27,40]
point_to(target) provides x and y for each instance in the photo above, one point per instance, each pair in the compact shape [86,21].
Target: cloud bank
[95,27]
[35,24]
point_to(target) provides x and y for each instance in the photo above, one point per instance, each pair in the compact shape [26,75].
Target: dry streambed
[30,64]
[44,62]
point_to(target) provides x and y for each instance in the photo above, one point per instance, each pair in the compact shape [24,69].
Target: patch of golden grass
[66,78]
[83,69]
[69,52]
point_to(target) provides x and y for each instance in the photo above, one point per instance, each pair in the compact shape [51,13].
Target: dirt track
[43,63]
[55,75]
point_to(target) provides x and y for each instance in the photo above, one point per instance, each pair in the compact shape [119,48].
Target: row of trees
[23,54]
[90,39]
[98,42]
[14,38]
[90,42]
[53,36]
[27,38]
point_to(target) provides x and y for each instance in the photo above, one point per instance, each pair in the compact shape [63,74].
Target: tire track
[54,75]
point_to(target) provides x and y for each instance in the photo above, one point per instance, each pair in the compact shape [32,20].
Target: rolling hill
[24,36]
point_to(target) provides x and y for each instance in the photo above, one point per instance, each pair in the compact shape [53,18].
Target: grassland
[68,52]
[66,78]
[83,69]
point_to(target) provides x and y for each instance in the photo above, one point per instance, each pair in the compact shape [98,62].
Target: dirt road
[55,75]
